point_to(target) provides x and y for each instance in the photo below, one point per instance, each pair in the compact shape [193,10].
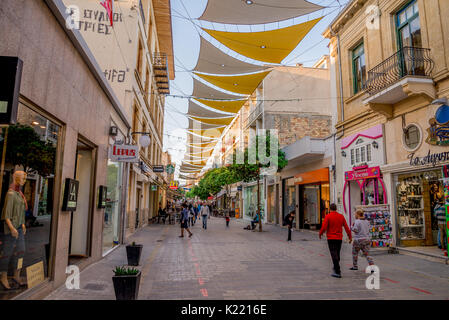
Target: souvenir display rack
[410,206]
[380,224]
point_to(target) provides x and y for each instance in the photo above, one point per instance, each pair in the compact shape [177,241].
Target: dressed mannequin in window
[13,222]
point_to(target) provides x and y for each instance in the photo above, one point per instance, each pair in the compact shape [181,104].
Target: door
[311,204]
[138,197]
[80,220]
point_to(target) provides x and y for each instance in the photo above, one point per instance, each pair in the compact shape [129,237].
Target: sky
[186,42]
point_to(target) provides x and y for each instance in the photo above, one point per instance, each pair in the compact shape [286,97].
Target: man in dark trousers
[288,221]
[333,225]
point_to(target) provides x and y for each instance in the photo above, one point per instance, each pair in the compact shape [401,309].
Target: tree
[26,148]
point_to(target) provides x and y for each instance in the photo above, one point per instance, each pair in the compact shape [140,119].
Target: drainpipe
[342,109]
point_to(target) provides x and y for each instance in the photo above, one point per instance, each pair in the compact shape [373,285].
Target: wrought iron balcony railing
[160,68]
[409,61]
[254,114]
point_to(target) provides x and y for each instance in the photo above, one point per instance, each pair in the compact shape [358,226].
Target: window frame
[357,150]
[355,57]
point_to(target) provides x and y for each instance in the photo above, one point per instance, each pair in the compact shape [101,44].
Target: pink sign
[362,173]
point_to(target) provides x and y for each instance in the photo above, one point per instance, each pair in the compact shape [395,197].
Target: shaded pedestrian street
[233,263]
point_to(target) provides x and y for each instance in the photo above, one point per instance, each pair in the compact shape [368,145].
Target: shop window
[411,137]
[27,199]
[358,68]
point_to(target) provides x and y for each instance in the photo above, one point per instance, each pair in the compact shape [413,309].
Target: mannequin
[13,216]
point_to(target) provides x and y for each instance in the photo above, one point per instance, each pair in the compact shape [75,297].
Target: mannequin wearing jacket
[13,224]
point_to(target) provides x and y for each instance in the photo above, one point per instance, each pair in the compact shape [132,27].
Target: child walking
[361,239]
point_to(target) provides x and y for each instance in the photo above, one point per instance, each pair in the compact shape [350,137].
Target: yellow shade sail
[225,105]
[268,46]
[196,163]
[208,133]
[244,84]
[218,121]
[204,145]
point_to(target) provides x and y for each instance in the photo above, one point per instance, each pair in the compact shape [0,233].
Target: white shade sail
[193,124]
[213,60]
[200,90]
[196,110]
[256,11]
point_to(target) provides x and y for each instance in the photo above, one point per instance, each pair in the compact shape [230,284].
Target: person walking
[440,214]
[228,218]
[361,239]
[191,215]
[288,221]
[332,225]
[184,221]
[205,212]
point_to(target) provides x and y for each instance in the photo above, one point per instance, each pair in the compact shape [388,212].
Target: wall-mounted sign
[124,153]
[153,187]
[9,88]
[431,158]
[361,173]
[239,188]
[70,195]
[438,132]
[102,196]
[144,167]
[170,169]
[158,168]
[174,185]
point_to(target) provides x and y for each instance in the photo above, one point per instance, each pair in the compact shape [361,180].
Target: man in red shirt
[332,225]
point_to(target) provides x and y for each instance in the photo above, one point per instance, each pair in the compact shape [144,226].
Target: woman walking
[361,239]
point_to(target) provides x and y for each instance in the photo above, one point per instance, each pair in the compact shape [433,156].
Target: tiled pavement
[232,263]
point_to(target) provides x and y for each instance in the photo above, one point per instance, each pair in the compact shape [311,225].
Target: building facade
[393,77]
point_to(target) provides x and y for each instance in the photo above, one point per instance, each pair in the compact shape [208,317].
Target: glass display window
[27,200]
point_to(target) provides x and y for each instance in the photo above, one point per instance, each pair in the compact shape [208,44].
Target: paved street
[233,263]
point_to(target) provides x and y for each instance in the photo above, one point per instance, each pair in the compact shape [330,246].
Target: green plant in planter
[125,271]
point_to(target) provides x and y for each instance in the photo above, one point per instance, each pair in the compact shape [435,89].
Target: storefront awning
[315,176]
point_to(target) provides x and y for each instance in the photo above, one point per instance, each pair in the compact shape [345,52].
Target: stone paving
[232,263]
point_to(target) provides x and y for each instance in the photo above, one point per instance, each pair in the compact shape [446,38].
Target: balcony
[254,115]
[406,73]
[160,68]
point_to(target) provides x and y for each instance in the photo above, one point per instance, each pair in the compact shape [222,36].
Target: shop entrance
[138,200]
[79,245]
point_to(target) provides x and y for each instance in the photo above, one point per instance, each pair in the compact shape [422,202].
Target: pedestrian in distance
[184,221]
[205,213]
[288,221]
[191,215]
[361,239]
[333,224]
[228,218]
[254,221]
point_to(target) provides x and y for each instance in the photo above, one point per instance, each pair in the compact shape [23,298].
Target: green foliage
[26,148]
[215,179]
[125,271]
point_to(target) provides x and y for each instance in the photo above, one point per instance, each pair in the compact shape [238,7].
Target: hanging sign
[153,187]
[124,153]
[362,173]
[173,185]
[70,195]
[170,169]
[158,168]
[11,68]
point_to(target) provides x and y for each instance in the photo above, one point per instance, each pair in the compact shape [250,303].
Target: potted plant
[126,283]
[133,252]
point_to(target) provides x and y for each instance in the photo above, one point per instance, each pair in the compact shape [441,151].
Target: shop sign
[124,153]
[239,188]
[158,168]
[153,187]
[362,173]
[173,185]
[35,274]
[170,169]
[70,195]
[102,195]
[144,167]
[431,158]
[315,176]
[438,132]
[9,88]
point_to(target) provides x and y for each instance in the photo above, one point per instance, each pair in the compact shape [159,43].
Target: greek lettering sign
[158,168]
[124,153]
[433,159]
[70,195]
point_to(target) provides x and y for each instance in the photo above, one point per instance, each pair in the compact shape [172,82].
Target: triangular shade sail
[204,145]
[199,163]
[213,60]
[181,176]
[216,121]
[268,46]
[200,152]
[257,12]
[232,106]
[201,90]
[208,133]
[200,125]
[190,171]
[198,111]
[243,84]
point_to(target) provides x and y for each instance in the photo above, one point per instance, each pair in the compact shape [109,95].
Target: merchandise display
[380,224]
[410,208]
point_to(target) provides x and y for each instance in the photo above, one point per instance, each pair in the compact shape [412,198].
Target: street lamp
[144,140]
